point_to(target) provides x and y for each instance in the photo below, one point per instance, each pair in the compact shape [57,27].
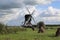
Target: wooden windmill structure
[28,19]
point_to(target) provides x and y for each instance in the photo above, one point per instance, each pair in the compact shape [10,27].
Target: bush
[1,27]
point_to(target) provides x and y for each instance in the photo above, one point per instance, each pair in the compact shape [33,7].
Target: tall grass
[18,33]
[4,29]
[31,35]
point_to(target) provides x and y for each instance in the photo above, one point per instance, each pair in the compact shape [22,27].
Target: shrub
[1,27]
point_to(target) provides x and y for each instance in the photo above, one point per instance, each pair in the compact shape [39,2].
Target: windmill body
[28,18]
[27,22]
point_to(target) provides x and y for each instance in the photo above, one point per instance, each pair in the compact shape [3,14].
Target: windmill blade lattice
[33,20]
[33,12]
[28,10]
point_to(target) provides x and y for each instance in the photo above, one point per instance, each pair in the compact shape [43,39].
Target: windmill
[28,19]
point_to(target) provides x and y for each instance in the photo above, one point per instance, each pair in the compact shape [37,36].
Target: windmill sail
[28,10]
[33,12]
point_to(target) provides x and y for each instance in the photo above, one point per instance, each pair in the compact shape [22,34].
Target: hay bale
[58,32]
[41,27]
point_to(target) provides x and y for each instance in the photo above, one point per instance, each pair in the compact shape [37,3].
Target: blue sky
[12,11]
[56,4]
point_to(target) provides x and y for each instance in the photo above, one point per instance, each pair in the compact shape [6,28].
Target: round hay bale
[58,32]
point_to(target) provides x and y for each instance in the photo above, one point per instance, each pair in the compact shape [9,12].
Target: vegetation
[4,29]
[27,33]
[1,27]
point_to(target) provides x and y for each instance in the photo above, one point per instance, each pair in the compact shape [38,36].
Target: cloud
[50,11]
[48,15]
[53,11]
[13,11]
[16,15]
[51,20]
[10,15]
[35,2]
[7,4]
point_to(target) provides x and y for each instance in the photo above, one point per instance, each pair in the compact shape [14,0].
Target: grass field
[49,34]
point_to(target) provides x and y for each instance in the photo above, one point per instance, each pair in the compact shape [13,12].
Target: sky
[12,12]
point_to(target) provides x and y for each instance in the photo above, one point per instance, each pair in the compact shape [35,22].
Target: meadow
[29,34]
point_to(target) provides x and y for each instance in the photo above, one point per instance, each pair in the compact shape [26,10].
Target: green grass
[31,35]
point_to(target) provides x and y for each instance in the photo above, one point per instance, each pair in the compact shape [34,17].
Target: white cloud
[6,4]
[51,11]
[13,14]
[44,1]
[34,2]
[51,15]
[51,20]
[48,16]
